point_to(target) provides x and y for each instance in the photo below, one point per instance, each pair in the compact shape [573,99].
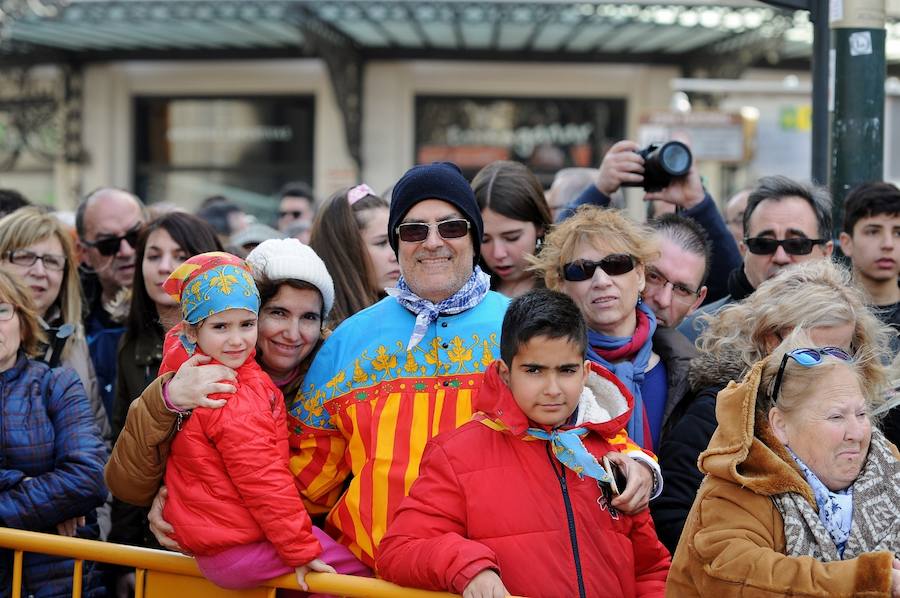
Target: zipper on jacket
[570,516]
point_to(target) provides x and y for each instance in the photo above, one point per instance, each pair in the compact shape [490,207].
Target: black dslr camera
[662,163]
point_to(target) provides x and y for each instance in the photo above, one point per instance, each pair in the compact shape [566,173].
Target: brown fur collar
[743,448]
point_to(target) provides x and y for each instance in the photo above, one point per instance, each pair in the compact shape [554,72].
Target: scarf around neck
[875,520]
[467,297]
[835,508]
[571,452]
[635,350]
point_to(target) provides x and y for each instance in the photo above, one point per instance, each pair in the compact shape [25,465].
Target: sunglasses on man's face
[110,245]
[295,214]
[615,264]
[807,357]
[794,246]
[416,232]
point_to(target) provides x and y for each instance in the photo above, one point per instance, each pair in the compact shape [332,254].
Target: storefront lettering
[231,134]
[522,140]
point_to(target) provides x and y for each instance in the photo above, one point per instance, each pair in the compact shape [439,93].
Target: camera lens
[675,158]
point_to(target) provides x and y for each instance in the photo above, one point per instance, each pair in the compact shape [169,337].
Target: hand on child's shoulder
[486,584]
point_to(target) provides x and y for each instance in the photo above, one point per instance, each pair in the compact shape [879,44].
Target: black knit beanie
[438,180]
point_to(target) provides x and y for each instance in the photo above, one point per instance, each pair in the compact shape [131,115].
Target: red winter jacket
[228,477]
[486,498]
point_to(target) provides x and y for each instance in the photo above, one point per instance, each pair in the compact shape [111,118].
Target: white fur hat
[289,259]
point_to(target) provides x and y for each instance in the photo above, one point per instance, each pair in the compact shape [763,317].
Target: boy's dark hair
[541,312]
[870,199]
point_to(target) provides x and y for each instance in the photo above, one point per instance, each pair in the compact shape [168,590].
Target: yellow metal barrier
[161,574]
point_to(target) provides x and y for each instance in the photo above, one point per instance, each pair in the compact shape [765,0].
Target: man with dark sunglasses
[107,221]
[296,206]
[786,222]
[409,367]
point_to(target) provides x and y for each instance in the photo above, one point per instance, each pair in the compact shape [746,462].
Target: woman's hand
[317,565]
[159,526]
[194,381]
[486,584]
[69,526]
[638,484]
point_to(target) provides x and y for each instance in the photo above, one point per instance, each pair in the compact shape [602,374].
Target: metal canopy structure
[673,32]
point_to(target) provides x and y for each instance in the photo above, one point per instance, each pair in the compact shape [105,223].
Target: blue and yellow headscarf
[210,283]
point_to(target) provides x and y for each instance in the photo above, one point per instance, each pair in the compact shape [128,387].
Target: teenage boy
[871,239]
[520,499]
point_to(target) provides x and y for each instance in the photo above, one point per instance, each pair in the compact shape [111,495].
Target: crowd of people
[478,387]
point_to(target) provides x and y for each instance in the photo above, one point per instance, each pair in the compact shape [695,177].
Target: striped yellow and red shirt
[368,406]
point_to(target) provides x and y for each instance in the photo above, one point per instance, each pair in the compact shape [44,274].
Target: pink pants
[250,565]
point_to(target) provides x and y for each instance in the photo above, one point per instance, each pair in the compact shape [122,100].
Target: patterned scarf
[427,312]
[569,450]
[635,350]
[875,520]
[835,508]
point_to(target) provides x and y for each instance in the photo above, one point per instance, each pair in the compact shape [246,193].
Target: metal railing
[148,562]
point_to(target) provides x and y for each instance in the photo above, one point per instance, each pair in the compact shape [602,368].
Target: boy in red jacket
[518,500]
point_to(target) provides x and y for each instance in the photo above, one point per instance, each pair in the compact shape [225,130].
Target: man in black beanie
[405,369]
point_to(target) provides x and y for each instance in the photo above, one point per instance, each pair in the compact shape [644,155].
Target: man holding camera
[623,165]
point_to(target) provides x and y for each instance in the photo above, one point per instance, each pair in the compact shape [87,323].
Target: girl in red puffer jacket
[232,498]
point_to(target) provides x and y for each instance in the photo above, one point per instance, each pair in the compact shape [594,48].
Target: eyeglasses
[416,232]
[614,264]
[110,245]
[680,292]
[807,358]
[26,259]
[295,214]
[794,246]
[7,311]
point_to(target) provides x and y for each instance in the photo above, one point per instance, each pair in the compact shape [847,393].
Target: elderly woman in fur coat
[801,490]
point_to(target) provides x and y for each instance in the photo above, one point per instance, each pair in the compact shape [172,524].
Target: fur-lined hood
[711,370]
[604,407]
[743,448]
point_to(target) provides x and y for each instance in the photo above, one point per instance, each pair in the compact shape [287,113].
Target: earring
[538,244]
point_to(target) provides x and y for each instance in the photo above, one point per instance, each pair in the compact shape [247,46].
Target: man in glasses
[107,221]
[406,369]
[675,281]
[296,205]
[786,222]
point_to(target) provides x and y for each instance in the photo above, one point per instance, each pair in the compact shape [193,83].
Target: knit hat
[438,180]
[289,259]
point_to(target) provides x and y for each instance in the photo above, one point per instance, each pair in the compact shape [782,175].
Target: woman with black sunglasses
[598,257]
[801,490]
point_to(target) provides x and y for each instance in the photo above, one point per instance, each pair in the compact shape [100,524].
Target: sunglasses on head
[416,232]
[614,264]
[794,246]
[110,245]
[807,357]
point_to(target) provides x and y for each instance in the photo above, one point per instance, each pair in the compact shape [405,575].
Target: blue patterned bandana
[835,508]
[211,283]
[427,312]
[570,451]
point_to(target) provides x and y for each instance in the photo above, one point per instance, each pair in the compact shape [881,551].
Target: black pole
[820,129]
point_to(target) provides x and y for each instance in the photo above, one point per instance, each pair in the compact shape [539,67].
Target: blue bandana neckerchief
[427,312]
[630,373]
[569,450]
[835,508]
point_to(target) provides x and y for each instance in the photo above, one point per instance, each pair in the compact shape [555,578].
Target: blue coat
[51,469]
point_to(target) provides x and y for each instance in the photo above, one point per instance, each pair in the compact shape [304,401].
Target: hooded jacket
[490,497]
[733,542]
[228,476]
